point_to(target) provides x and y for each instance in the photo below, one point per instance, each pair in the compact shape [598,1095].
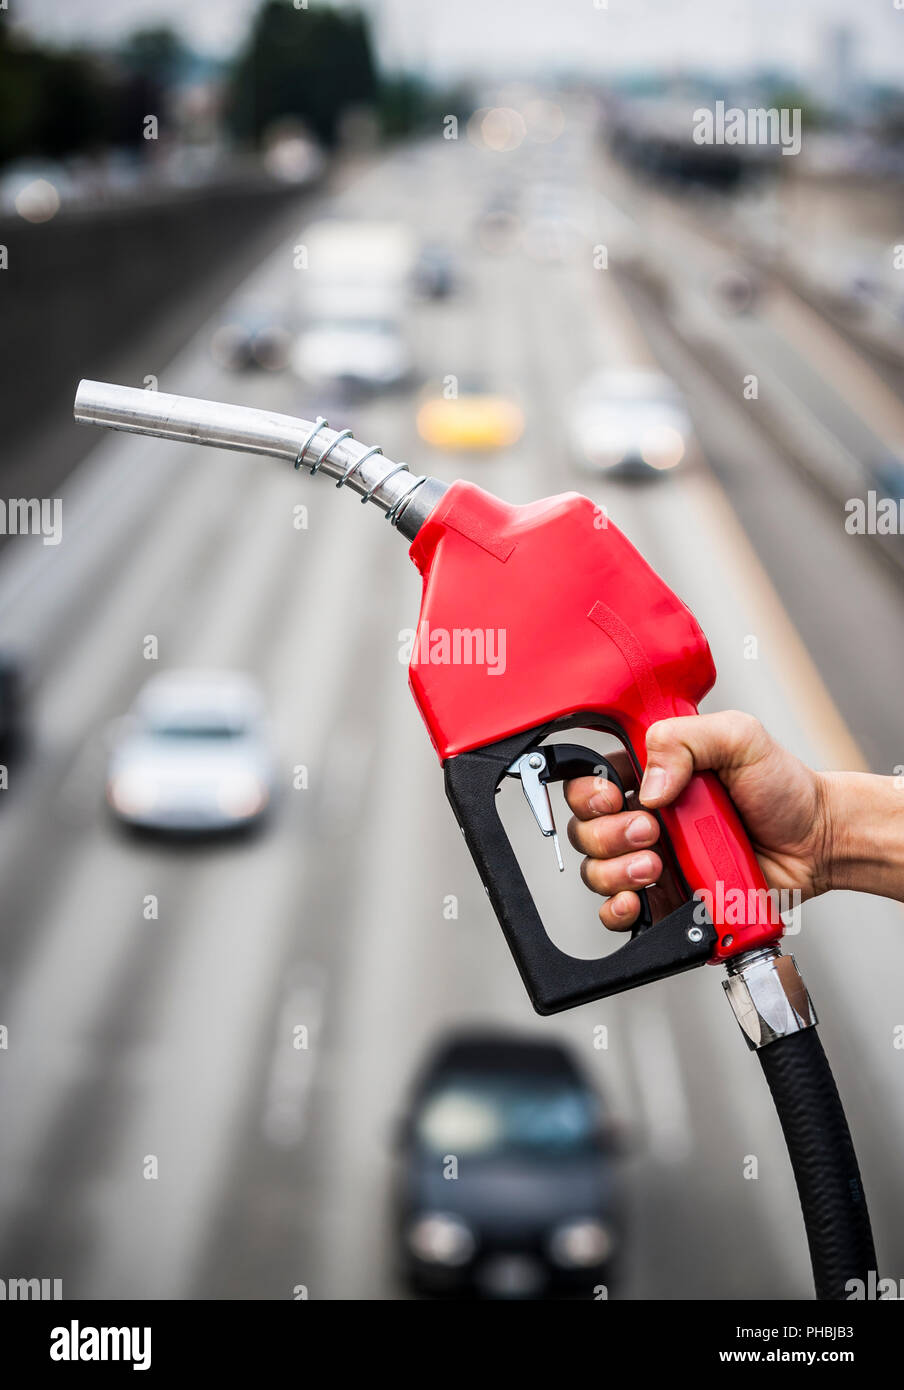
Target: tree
[51,102]
[156,54]
[311,64]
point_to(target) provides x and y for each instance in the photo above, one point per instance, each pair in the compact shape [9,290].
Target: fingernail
[653,785]
[638,830]
[599,804]
[640,867]
[620,906]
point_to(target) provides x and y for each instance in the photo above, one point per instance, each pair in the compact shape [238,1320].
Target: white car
[368,353]
[631,421]
[193,755]
[352,337]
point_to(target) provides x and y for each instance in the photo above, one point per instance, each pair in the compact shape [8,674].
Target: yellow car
[478,420]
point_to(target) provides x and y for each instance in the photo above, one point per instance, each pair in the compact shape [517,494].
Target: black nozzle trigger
[562,762]
[682,940]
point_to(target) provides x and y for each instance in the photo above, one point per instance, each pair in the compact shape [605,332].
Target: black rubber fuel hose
[825,1165]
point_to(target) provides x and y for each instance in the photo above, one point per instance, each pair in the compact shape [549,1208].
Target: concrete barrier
[81,292]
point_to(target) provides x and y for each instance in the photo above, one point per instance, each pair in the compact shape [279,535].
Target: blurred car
[12,716]
[737,289]
[252,340]
[359,352]
[348,254]
[888,474]
[353,337]
[434,275]
[193,755]
[630,421]
[475,418]
[534,1207]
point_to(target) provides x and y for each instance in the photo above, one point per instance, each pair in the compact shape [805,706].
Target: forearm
[865,832]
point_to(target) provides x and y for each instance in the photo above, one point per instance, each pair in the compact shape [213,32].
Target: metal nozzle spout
[405,499]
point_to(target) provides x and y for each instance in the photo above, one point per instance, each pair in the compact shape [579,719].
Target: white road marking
[661,1082]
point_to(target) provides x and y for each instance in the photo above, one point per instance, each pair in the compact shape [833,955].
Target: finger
[604,837]
[677,748]
[630,871]
[620,912]
[592,796]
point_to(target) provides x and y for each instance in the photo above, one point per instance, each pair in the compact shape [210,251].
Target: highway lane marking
[736,1117]
[843,368]
[804,684]
[294,1056]
[189,1083]
[227,606]
[49,1018]
[661,1084]
[211,630]
[397,987]
[140,603]
[101,485]
[81,787]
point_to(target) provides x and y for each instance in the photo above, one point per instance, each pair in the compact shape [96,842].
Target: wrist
[862,833]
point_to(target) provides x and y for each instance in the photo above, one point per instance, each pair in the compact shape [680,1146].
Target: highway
[169,1036]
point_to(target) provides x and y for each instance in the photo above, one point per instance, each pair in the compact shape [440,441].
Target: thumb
[677,748]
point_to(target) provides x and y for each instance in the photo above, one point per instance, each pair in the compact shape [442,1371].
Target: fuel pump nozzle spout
[405,499]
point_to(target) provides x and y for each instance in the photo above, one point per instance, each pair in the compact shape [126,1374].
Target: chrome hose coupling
[768,995]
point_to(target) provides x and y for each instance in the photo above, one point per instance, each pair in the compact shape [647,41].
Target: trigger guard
[567,760]
[682,940]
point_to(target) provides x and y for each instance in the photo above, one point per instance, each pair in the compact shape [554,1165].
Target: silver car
[630,421]
[193,756]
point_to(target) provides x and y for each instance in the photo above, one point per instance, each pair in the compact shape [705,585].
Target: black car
[506,1186]
[434,272]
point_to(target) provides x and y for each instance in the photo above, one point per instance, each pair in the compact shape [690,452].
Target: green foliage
[50,102]
[311,64]
[792,98]
[156,54]
[407,105]
[153,54]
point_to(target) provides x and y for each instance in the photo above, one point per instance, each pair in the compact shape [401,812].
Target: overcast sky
[450,37]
